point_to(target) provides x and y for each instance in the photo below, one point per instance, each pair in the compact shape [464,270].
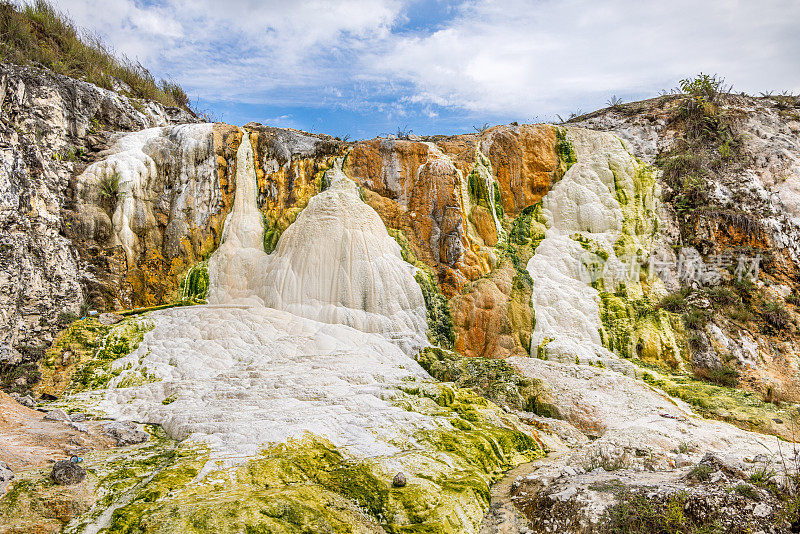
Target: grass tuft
[37,33]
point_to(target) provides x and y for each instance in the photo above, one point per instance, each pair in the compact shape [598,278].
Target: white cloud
[490,58]
[523,57]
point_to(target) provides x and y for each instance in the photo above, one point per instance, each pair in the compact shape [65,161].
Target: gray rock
[110,318]
[9,355]
[77,417]
[6,474]
[762,510]
[399,480]
[564,495]
[66,473]
[56,415]
[717,477]
[125,433]
[25,400]
[80,427]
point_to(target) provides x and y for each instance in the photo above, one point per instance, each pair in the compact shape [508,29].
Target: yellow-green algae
[565,152]
[121,339]
[484,191]
[308,485]
[527,231]
[437,310]
[195,285]
[739,407]
[83,355]
[633,326]
[33,503]
[493,379]
[79,341]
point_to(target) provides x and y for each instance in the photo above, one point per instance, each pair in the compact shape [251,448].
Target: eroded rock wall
[52,126]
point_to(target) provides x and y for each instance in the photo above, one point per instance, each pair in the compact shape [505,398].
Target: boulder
[125,433]
[56,415]
[399,480]
[110,318]
[67,473]
[9,355]
[6,474]
[25,400]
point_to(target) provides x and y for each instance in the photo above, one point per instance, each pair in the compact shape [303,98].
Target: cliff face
[748,220]
[590,273]
[52,126]
[97,218]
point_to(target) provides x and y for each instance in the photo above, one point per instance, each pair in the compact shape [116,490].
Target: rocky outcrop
[150,208]
[709,494]
[747,223]
[52,126]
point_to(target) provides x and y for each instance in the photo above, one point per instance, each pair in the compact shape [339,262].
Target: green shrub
[109,187]
[703,88]
[695,319]
[723,296]
[776,315]
[674,302]
[66,318]
[700,472]
[635,513]
[746,490]
[721,376]
[740,313]
[745,287]
[763,478]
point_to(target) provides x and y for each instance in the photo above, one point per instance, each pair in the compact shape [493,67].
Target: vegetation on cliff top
[38,33]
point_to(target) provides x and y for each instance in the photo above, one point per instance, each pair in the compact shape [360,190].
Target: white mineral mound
[317,358]
[583,202]
[337,264]
[133,162]
[236,267]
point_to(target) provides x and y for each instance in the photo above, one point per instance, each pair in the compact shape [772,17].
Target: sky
[366,68]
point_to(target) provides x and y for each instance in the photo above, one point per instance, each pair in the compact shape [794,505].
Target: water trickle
[240,258]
